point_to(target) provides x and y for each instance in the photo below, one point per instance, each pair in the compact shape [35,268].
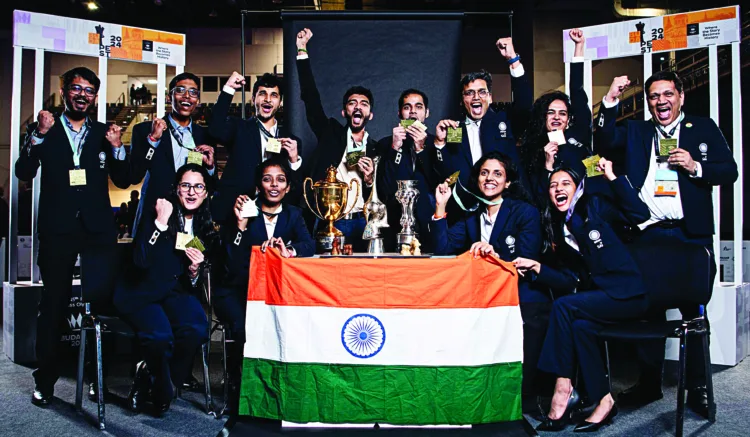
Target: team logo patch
[594,235]
[509,240]
[502,126]
[102,156]
[363,335]
[703,147]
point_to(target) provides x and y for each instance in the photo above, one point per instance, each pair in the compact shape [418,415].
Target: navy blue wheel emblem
[363,335]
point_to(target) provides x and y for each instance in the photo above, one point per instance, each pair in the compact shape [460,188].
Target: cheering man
[75,215]
[337,141]
[674,160]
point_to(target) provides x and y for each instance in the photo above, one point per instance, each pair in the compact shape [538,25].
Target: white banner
[93,38]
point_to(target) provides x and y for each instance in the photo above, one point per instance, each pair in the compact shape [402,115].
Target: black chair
[676,276]
[214,325]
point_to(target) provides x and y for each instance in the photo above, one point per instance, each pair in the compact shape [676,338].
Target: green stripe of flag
[399,395]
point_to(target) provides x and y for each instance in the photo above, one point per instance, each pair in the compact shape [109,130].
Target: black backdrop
[385,52]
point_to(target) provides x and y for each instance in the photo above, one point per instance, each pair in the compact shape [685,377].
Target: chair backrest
[100,273]
[675,275]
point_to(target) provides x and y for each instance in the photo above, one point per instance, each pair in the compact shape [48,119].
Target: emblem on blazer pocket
[102,159]
[596,237]
[511,242]
[503,129]
[704,151]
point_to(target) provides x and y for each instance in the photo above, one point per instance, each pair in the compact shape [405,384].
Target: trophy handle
[304,193]
[351,207]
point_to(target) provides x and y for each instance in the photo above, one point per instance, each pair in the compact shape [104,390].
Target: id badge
[667,184]
[273,145]
[182,240]
[195,158]
[665,146]
[455,135]
[77,177]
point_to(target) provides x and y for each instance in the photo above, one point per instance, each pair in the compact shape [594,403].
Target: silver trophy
[375,212]
[407,195]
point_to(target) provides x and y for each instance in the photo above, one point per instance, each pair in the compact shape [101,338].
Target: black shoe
[139,392]
[639,395]
[593,427]
[560,424]
[191,383]
[161,408]
[93,393]
[697,400]
[40,398]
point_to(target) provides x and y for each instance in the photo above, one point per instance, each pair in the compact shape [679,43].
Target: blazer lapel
[281,223]
[58,126]
[502,218]
[465,146]
[473,227]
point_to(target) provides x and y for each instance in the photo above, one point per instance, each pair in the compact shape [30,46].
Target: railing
[121,99]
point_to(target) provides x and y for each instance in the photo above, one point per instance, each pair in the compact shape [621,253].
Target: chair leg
[79,373]
[205,350]
[709,377]
[681,384]
[226,378]
[609,369]
[99,373]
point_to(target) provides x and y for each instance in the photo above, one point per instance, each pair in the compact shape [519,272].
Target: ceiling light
[92,6]
[152,81]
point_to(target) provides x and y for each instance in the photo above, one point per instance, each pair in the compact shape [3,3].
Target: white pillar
[36,277]
[161,89]
[179,69]
[737,152]
[15,145]
[101,114]
[648,70]
[713,90]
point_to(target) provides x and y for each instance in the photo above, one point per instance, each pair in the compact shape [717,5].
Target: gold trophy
[331,197]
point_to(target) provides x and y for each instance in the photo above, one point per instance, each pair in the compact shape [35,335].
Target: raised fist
[577,36]
[303,36]
[163,211]
[505,46]
[236,81]
[158,126]
[46,121]
[618,85]
[114,135]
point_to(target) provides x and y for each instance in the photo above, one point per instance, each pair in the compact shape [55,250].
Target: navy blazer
[242,140]
[155,166]
[157,269]
[603,261]
[699,136]
[61,205]
[331,134]
[290,227]
[517,233]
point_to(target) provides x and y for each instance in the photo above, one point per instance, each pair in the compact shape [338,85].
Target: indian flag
[394,341]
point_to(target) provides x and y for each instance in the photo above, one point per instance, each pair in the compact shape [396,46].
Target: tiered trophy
[330,199]
[375,214]
[407,195]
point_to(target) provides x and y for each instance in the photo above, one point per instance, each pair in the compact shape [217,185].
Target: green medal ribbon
[474,208]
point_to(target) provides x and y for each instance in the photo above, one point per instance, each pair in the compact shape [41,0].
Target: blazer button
[177,276]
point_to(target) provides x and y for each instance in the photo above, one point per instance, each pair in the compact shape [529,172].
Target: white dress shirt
[570,239]
[271,222]
[346,174]
[487,222]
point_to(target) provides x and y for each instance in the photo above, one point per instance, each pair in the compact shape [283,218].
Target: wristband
[152,139]
[301,50]
[514,59]
[437,217]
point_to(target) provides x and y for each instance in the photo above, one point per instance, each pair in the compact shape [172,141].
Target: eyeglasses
[77,89]
[185,188]
[473,93]
[181,90]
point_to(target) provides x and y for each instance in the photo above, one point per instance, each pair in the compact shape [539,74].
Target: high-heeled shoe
[560,424]
[586,426]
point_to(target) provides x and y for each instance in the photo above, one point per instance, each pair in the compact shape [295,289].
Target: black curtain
[385,52]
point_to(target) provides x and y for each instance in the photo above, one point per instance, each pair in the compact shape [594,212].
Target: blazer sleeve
[120,171]
[238,246]
[529,233]
[630,208]
[560,279]
[302,241]
[579,100]
[523,100]
[316,116]
[609,136]
[138,151]
[148,242]
[223,128]
[449,241]
[720,168]
[29,159]
[426,163]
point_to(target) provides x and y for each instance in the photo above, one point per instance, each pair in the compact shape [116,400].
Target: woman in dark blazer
[508,227]
[277,225]
[607,285]
[158,295]
[571,116]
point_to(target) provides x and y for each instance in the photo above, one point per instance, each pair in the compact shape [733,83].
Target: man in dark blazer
[247,142]
[674,160]
[78,156]
[160,147]
[408,154]
[484,129]
[336,140]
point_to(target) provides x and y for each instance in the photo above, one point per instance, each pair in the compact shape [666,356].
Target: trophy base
[375,247]
[405,239]
[324,243]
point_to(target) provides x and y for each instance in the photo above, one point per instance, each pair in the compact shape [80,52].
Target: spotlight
[92,6]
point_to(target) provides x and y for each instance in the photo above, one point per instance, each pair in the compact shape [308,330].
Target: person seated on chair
[506,226]
[595,263]
[159,295]
[273,224]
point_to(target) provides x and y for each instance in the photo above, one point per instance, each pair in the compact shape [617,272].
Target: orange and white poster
[93,38]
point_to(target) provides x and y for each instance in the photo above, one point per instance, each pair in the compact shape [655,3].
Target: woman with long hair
[506,226]
[275,224]
[566,117]
[606,284]
[159,294]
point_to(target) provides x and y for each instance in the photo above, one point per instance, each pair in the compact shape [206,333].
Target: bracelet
[301,50]
[438,217]
[514,59]
[152,139]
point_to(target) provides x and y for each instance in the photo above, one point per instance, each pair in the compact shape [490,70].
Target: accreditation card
[195,158]
[182,240]
[273,145]
[455,135]
[77,177]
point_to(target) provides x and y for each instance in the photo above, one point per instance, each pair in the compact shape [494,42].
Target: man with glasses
[160,147]
[484,128]
[250,142]
[78,156]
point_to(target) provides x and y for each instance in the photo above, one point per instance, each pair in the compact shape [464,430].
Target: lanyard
[576,197]
[178,136]
[77,144]
[473,208]
[664,133]
[266,132]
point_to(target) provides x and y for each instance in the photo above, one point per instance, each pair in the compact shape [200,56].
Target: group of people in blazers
[520,197]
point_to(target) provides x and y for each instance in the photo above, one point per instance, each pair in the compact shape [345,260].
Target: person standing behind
[162,146]
[250,141]
[674,160]
[78,155]
[336,141]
